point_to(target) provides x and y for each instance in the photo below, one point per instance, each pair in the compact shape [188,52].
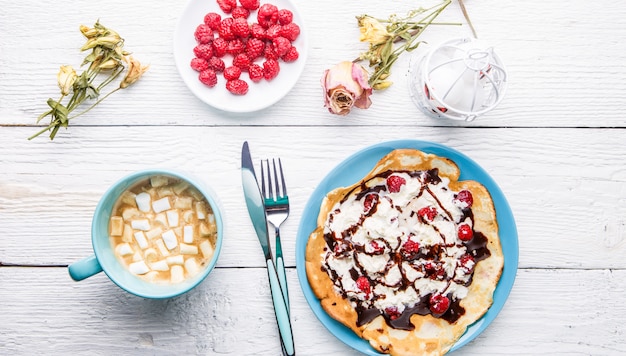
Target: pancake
[409,256]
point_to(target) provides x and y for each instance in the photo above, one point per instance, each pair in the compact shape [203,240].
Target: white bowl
[260,95]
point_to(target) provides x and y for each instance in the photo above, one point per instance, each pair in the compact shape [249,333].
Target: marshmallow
[170,239]
[160,266]
[140,224]
[188,234]
[143,201]
[172,218]
[191,266]
[162,249]
[140,237]
[177,274]
[156,232]
[123,249]
[188,249]
[175,260]
[117,226]
[158,181]
[207,249]
[150,254]
[139,267]
[161,205]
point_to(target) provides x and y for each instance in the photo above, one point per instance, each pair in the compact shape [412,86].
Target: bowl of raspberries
[240,55]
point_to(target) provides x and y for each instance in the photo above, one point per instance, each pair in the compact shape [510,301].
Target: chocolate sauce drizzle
[344,247]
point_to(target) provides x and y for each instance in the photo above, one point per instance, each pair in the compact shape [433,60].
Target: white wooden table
[555,145]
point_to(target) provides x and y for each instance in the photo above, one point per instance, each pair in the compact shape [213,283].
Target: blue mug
[104,258]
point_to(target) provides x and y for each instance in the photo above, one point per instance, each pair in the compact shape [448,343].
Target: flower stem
[94,104]
[111,78]
[413,29]
[40,132]
[466,15]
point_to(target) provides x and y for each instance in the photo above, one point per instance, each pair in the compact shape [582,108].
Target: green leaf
[92,92]
[43,115]
[83,81]
[386,52]
[89,58]
[58,108]
[410,48]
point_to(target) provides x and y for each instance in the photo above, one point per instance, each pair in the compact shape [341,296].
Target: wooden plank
[565,64]
[548,312]
[49,190]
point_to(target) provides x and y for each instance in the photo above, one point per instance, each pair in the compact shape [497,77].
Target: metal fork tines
[277,209]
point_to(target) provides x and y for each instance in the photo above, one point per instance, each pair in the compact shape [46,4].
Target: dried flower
[372,31]
[106,60]
[66,79]
[135,71]
[388,39]
[345,85]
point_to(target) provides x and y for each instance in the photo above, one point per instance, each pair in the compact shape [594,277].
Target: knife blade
[256,210]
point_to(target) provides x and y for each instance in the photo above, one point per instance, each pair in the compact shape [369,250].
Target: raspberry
[250,4]
[465,197]
[392,312]
[203,34]
[240,12]
[199,64]
[410,249]
[232,73]
[256,72]
[267,15]
[430,268]
[212,20]
[257,31]
[270,69]
[434,271]
[290,31]
[285,16]
[439,304]
[395,183]
[219,47]
[269,39]
[242,61]
[204,51]
[254,48]
[273,32]
[208,77]
[235,46]
[465,232]
[370,200]
[216,64]
[269,51]
[364,285]
[240,28]
[427,213]
[281,45]
[227,5]
[341,249]
[466,262]
[411,246]
[237,87]
[291,55]
[225,29]
[375,247]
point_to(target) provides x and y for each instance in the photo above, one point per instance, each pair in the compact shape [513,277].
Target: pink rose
[345,85]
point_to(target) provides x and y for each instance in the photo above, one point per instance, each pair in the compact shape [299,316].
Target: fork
[276,204]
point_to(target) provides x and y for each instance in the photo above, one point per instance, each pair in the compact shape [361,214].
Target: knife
[256,210]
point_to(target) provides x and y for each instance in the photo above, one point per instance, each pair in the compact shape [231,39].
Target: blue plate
[356,167]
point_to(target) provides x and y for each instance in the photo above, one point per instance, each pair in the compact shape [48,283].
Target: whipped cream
[390,249]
